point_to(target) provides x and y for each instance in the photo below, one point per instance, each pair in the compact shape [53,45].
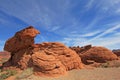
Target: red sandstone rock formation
[81,50]
[76,49]
[49,58]
[97,54]
[117,52]
[0,58]
[22,39]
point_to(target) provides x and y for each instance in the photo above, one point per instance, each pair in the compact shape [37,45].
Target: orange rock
[25,62]
[0,58]
[48,58]
[47,64]
[22,39]
[117,52]
[76,49]
[81,50]
[68,57]
[51,58]
[98,54]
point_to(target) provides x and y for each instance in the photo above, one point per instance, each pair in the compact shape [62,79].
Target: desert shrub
[26,73]
[7,74]
[104,65]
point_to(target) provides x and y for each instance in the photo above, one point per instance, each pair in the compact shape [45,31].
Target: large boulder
[47,64]
[98,54]
[48,58]
[22,39]
[89,54]
[67,56]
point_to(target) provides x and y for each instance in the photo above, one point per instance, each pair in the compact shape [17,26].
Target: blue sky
[72,22]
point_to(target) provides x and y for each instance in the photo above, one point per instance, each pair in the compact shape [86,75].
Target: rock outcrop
[117,52]
[22,39]
[95,54]
[48,58]
[80,50]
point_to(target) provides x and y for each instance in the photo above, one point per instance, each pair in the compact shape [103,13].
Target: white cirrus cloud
[89,4]
[110,42]
[89,34]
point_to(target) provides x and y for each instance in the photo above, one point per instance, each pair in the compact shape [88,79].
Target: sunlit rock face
[95,53]
[22,39]
[48,58]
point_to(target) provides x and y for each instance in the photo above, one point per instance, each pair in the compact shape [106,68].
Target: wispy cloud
[90,34]
[75,39]
[106,41]
[38,12]
[98,40]
[109,6]
[118,11]
[9,20]
[54,28]
[93,22]
[109,42]
[110,30]
[77,22]
[89,4]
[71,41]
[83,35]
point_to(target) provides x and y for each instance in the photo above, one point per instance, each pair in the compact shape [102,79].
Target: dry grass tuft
[26,73]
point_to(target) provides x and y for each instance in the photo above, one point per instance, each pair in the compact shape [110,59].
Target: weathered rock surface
[97,54]
[68,57]
[117,52]
[22,39]
[0,58]
[81,50]
[48,58]
[76,49]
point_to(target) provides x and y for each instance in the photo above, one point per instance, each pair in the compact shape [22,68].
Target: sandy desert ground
[86,74]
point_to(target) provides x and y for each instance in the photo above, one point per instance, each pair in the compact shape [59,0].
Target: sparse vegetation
[7,74]
[26,73]
[108,64]
[104,65]
[84,74]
